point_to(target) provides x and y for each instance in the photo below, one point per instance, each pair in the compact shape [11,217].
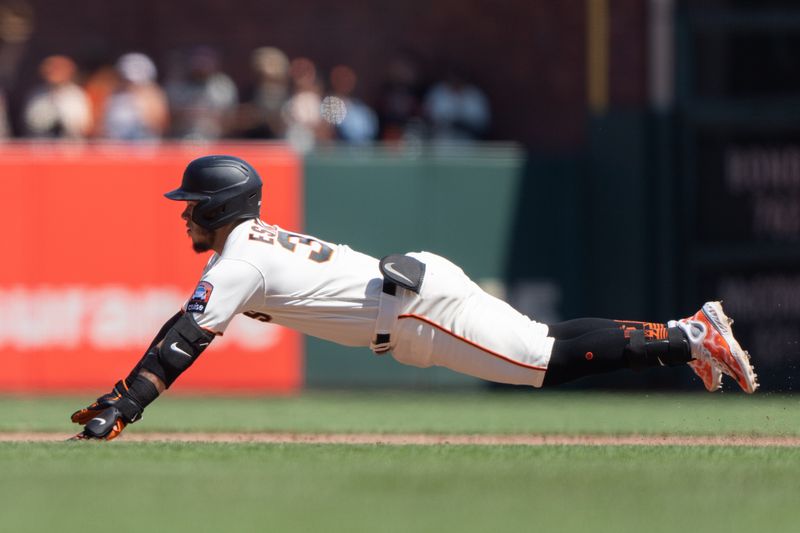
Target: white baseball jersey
[318,288]
[333,292]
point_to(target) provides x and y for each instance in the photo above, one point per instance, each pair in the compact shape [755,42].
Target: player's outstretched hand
[106,425]
[83,416]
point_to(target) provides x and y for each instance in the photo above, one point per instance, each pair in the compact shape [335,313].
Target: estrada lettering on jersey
[199,300]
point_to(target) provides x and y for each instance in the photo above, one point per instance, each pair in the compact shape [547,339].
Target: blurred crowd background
[290,99]
[106,72]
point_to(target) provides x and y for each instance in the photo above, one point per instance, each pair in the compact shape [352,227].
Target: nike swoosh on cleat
[102,420]
[175,348]
[390,268]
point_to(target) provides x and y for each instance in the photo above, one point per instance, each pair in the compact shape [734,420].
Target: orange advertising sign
[96,260]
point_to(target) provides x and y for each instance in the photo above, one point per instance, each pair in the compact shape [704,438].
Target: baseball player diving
[419,307]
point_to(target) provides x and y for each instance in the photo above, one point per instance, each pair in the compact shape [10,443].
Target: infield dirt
[428,439]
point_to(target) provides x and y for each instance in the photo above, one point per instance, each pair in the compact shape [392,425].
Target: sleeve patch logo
[199,300]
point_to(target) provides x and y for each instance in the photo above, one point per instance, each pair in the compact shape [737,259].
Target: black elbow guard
[183,343]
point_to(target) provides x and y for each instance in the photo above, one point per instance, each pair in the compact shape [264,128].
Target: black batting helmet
[225,188]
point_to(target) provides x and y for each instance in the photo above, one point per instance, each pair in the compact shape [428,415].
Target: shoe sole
[714,313]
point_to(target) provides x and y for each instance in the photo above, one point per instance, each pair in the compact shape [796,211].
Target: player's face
[202,239]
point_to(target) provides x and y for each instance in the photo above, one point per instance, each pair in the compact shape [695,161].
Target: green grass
[535,412]
[246,487]
[126,486]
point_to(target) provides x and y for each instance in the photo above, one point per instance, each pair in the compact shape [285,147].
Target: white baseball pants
[453,323]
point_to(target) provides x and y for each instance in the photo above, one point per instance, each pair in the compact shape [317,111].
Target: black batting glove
[107,425]
[83,416]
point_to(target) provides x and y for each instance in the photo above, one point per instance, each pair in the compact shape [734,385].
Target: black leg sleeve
[571,329]
[597,352]
[606,350]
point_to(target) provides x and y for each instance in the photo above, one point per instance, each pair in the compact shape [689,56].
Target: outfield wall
[96,259]
[460,202]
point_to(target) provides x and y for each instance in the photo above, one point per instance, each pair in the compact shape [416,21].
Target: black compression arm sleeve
[158,338]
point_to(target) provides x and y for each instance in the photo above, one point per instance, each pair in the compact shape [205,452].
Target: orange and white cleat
[715,349]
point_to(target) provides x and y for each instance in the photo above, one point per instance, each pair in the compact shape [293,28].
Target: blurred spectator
[16,26]
[400,100]
[261,114]
[304,124]
[59,107]
[456,110]
[99,85]
[137,110]
[202,99]
[355,122]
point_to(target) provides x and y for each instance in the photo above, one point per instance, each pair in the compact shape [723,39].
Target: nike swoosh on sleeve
[175,348]
[390,268]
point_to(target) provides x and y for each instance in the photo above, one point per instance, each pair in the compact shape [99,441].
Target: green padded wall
[457,202]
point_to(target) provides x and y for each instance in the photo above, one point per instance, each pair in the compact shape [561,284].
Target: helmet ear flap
[208,216]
